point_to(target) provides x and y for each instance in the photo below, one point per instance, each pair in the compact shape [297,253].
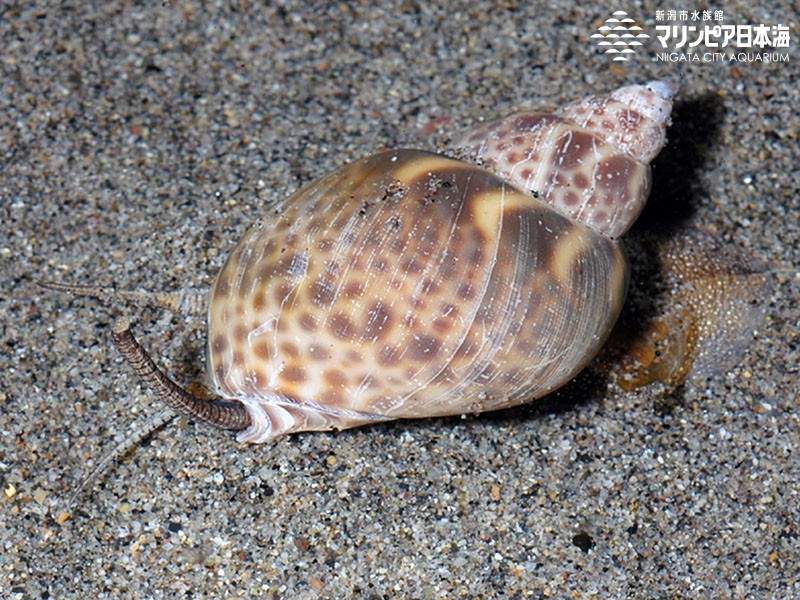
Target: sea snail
[410,284]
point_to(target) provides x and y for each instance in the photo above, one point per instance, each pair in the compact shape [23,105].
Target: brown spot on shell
[308,322]
[429,238]
[316,223]
[334,378]
[478,242]
[332,397]
[259,300]
[325,245]
[571,199]
[412,266]
[531,121]
[319,352]
[354,290]
[618,167]
[449,310]
[322,292]
[448,269]
[397,245]
[289,350]
[379,265]
[580,180]
[388,355]
[442,325]
[341,326]
[466,291]
[573,149]
[293,374]
[424,347]
[430,286]
[631,120]
[476,256]
[262,350]
[374,239]
[354,357]
[260,378]
[379,322]
[240,333]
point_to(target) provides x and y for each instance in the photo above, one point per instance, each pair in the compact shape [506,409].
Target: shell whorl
[588,159]
[407,285]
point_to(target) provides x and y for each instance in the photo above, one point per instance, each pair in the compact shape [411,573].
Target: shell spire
[589,159]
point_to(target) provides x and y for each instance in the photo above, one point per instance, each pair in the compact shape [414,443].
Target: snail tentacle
[189,301]
[223,415]
[130,441]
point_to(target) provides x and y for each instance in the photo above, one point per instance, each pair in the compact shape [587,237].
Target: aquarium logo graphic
[619,35]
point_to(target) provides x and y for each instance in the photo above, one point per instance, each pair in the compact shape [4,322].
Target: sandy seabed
[138,143]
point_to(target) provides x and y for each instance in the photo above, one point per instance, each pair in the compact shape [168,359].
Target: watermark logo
[618,36]
[703,36]
[693,36]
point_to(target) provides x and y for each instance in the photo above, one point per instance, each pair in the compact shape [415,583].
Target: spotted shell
[410,284]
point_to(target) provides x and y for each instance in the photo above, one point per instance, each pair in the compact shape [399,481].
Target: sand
[138,143]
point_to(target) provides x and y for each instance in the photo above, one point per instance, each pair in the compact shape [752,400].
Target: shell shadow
[676,186]
[586,387]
